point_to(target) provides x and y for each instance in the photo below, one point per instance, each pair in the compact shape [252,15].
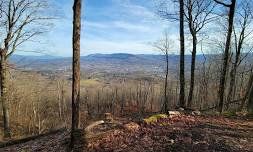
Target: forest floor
[180,133]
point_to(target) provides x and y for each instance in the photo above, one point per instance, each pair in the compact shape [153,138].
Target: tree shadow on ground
[79,144]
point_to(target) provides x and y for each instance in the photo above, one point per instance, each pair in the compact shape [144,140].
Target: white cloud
[131,27]
[124,26]
[136,10]
[118,24]
[95,24]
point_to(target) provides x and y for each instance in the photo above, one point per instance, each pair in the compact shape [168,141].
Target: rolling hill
[120,62]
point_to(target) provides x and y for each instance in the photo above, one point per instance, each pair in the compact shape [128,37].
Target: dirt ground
[182,133]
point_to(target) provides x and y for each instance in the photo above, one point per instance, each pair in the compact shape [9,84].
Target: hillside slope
[181,133]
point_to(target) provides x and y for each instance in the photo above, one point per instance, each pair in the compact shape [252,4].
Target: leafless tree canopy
[164,46]
[21,21]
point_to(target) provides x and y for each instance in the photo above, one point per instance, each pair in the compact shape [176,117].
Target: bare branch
[21,21]
[221,3]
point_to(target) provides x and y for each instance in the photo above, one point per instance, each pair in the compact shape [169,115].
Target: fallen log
[216,106]
[24,140]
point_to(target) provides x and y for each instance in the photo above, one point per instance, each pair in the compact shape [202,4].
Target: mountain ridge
[116,62]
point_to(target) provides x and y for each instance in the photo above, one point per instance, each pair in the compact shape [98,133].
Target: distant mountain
[108,63]
[110,56]
[118,62]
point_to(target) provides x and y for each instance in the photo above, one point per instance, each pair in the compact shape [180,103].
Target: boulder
[92,125]
[132,126]
[173,114]
[196,113]
[181,109]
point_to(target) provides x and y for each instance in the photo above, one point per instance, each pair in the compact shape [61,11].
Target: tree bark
[239,46]
[247,92]
[76,70]
[250,96]
[4,98]
[232,80]
[226,56]
[182,51]
[193,62]
[166,108]
[59,99]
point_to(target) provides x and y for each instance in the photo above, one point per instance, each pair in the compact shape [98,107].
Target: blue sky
[108,26]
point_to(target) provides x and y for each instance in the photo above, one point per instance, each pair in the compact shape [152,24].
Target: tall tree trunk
[166,85]
[226,57]
[59,99]
[76,70]
[4,98]
[182,50]
[247,91]
[250,97]
[232,81]
[194,50]
[232,87]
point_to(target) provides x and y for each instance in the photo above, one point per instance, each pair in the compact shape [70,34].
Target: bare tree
[247,91]
[20,21]
[242,33]
[163,46]
[166,13]
[76,70]
[197,14]
[182,52]
[226,51]
[250,94]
